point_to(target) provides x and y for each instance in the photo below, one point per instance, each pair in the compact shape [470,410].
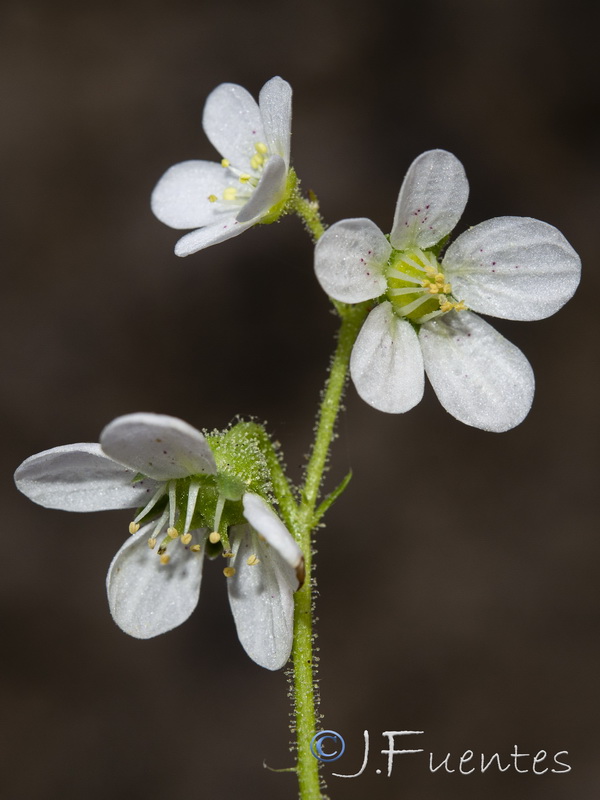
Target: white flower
[510,267]
[166,466]
[250,184]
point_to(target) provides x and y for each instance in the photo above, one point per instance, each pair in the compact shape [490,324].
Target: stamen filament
[403,276]
[406,310]
[191,505]
[218,512]
[409,290]
[172,503]
[154,500]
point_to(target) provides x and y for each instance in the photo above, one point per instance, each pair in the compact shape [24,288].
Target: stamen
[261,147]
[186,538]
[173,533]
[244,177]
[160,524]
[151,543]
[229,572]
[403,276]
[195,548]
[230,193]
[156,497]
[172,506]
[212,198]
[409,290]
[225,162]
[214,537]
[191,505]
[134,527]
[164,559]
[406,310]
[227,554]
[218,511]
[252,560]
[427,317]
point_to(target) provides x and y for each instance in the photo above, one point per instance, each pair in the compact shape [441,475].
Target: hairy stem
[302,654]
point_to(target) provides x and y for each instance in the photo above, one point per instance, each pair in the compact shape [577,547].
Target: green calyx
[214,501]
[281,207]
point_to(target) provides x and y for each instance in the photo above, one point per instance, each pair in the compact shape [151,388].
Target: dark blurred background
[458,575]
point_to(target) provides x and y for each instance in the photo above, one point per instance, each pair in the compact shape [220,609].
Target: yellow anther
[439,278]
[212,198]
[261,147]
[434,288]
[447,288]
[430,270]
[214,537]
[244,177]
[256,161]
[252,560]
[229,572]
[230,193]
[134,527]
[186,538]
[227,554]
[446,306]
[173,533]
[195,548]
[460,306]
[164,559]
[225,162]
[151,543]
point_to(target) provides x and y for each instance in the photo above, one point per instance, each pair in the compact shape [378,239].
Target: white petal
[180,198]
[227,228]
[79,477]
[158,446]
[479,376]
[233,123]
[275,103]
[261,599]
[513,267]
[269,191]
[264,520]
[350,259]
[147,598]
[386,364]
[431,201]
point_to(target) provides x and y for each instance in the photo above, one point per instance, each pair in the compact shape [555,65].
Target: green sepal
[440,246]
[230,487]
[241,464]
[280,208]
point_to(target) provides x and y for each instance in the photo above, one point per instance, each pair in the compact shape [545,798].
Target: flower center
[238,195]
[417,288]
